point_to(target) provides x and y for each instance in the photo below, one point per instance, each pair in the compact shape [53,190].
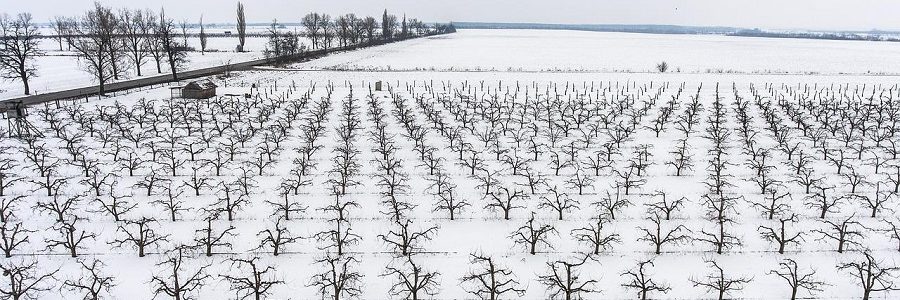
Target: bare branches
[657,236]
[339,278]
[93,283]
[779,235]
[254,285]
[71,237]
[844,232]
[11,237]
[139,234]
[594,236]
[490,280]
[639,280]
[276,237]
[505,200]
[558,201]
[871,274]
[797,280]
[175,279]
[24,281]
[411,280]
[564,280]
[531,235]
[406,241]
[717,283]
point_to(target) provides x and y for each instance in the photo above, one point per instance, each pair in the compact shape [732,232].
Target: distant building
[201,89]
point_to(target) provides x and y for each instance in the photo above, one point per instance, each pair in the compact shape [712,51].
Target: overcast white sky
[773,14]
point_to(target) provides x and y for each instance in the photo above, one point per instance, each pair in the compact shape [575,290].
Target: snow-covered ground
[549,50]
[476,229]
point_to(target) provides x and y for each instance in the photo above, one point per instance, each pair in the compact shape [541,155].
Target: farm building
[201,89]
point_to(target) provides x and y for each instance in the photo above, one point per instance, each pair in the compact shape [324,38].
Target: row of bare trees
[111,44]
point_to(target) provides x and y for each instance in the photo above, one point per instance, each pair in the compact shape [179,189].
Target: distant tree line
[112,44]
[813,35]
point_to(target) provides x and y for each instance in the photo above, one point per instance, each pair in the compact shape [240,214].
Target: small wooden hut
[201,89]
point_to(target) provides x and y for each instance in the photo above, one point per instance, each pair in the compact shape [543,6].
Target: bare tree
[797,281]
[664,207]
[139,234]
[71,237]
[893,231]
[490,281]
[18,48]
[115,206]
[563,280]
[779,235]
[406,241]
[285,207]
[23,280]
[639,280]
[230,202]
[197,182]
[505,200]
[611,204]
[447,198]
[531,235]
[682,160]
[772,204]
[241,27]
[174,280]
[8,205]
[254,285]
[93,39]
[172,202]
[154,46]
[559,202]
[594,236]
[340,236]
[844,232]
[719,210]
[339,278]
[11,237]
[58,206]
[659,237]
[822,202]
[871,275]
[202,37]
[176,53]
[277,237]
[136,30]
[92,283]
[412,281]
[877,202]
[207,238]
[716,281]
[61,27]
[662,67]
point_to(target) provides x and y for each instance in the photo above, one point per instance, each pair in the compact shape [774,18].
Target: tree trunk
[25,83]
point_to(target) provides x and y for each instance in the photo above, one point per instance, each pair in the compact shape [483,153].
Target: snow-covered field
[563,130]
[548,50]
